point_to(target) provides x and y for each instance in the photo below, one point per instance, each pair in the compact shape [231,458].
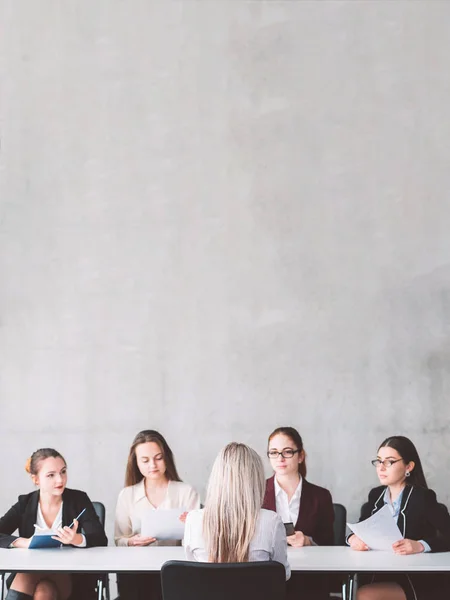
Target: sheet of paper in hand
[163,524]
[379,531]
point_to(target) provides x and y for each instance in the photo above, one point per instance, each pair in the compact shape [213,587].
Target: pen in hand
[76,518]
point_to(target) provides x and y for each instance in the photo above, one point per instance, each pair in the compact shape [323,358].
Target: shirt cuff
[426,547]
[83,543]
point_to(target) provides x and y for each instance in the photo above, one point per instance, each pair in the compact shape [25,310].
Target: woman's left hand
[407,547]
[298,540]
[69,535]
[183,516]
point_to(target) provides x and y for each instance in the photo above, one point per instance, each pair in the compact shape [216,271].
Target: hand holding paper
[163,524]
[378,532]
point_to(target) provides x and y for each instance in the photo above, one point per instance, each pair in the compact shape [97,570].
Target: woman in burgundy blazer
[316,514]
[307,506]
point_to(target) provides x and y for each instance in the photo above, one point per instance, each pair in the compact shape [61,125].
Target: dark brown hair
[32,464]
[296,438]
[408,452]
[133,475]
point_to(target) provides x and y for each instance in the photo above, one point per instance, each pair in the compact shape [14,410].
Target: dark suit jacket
[316,515]
[421,517]
[22,516]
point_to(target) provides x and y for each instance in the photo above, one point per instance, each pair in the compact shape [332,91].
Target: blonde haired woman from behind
[233,527]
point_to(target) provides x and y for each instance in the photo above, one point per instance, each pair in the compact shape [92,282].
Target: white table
[136,560]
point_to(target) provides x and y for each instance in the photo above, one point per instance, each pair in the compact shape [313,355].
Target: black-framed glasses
[285,453]
[386,463]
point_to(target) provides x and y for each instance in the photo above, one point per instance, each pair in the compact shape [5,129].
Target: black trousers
[141,586]
[303,586]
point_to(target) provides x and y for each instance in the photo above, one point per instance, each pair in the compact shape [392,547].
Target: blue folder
[43,541]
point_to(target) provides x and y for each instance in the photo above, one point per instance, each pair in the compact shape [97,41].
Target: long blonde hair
[233,501]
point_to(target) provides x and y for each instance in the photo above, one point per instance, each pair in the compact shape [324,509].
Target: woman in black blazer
[55,507]
[423,523]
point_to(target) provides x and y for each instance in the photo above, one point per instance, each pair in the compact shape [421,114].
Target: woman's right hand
[139,540]
[21,543]
[356,543]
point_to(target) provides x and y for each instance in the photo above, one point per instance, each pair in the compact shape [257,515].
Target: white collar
[296,494]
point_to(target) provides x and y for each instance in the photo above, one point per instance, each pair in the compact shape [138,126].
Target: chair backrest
[100,511]
[340,524]
[227,581]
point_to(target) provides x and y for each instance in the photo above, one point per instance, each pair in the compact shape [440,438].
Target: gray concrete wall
[218,217]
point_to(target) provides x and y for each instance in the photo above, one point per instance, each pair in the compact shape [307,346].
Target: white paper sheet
[163,524]
[379,531]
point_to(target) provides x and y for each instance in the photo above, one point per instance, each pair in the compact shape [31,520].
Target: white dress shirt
[57,523]
[268,543]
[288,509]
[133,503]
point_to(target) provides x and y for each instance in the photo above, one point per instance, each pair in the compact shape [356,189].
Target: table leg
[99,589]
[352,586]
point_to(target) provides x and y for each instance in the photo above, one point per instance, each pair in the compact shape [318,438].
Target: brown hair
[296,438]
[133,475]
[32,464]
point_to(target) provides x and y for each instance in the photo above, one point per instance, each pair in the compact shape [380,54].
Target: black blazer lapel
[30,515]
[379,502]
[402,515]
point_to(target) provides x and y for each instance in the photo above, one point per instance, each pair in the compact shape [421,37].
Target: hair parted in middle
[296,438]
[133,475]
[233,502]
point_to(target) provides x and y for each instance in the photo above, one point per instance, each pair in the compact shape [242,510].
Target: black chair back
[340,524]
[226,581]
[100,512]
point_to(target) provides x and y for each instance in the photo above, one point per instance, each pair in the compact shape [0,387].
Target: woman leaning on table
[307,507]
[152,483]
[423,523]
[52,506]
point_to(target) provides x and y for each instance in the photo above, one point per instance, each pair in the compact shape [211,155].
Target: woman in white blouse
[233,527]
[152,483]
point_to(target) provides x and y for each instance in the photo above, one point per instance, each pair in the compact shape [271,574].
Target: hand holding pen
[68,535]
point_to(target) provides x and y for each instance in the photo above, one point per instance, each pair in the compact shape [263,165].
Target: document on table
[379,531]
[163,524]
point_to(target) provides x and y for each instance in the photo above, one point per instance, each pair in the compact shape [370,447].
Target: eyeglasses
[285,453]
[386,463]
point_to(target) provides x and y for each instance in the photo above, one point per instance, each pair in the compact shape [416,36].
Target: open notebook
[43,538]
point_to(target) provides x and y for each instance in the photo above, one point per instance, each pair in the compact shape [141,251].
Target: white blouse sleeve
[279,546]
[187,539]
[192,499]
[122,526]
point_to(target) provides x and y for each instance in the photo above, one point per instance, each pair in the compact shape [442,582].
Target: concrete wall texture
[218,217]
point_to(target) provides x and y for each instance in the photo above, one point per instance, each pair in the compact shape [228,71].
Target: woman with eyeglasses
[305,508]
[423,523]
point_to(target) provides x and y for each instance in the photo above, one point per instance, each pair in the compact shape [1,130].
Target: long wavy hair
[233,502]
[133,475]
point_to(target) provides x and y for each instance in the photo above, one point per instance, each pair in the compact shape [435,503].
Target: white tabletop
[135,560]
